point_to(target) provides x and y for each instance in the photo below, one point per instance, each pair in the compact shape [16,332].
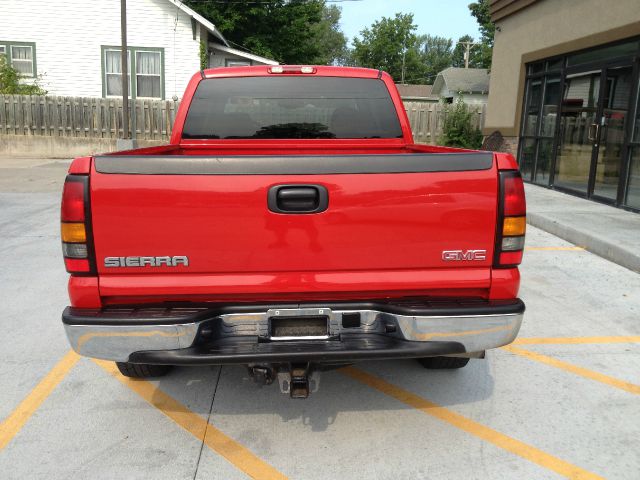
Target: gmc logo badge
[458,255]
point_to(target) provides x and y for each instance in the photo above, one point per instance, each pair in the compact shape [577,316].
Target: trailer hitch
[298,379]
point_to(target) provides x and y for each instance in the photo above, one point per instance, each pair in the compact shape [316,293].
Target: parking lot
[562,401]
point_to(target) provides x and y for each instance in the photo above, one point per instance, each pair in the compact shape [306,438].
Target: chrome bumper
[118,333]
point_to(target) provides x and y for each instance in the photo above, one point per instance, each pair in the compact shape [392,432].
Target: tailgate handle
[298,199]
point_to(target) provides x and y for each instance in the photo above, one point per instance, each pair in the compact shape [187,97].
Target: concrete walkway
[610,232]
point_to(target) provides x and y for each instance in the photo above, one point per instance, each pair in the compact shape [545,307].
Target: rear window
[291,107]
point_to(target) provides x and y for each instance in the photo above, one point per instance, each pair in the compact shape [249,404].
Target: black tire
[443,363]
[142,370]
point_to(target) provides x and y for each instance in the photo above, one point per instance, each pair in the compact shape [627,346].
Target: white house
[72,46]
[472,84]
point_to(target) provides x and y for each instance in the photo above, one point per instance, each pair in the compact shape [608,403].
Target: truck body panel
[222,223]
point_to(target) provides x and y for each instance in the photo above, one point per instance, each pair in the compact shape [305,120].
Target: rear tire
[443,363]
[142,370]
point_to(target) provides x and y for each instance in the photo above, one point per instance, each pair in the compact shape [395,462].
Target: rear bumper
[241,334]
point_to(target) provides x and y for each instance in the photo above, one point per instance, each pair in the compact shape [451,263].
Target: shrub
[10,81]
[457,130]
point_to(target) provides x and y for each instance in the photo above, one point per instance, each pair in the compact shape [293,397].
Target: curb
[590,242]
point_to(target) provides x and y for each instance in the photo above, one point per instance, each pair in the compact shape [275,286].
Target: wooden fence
[426,118]
[102,117]
[83,117]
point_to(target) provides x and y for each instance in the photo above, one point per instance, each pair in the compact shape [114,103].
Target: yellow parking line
[238,455]
[498,439]
[583,372]
[576,340]
[19,417]
[569,249]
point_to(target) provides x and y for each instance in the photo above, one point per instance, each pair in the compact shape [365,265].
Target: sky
[445,18]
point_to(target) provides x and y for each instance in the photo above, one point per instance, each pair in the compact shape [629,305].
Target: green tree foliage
[10,81]
[290,31]
[480,10]
[330,39]
[480,53]
[389,44]
[457,129]
[436,53]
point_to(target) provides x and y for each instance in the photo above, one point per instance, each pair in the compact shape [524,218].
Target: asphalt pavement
[563,401]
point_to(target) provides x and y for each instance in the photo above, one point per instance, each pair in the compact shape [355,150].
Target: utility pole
[467,51]
[404,49]
[124,69]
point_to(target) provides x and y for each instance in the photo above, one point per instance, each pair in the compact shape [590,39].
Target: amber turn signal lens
[514,226]
[73,233]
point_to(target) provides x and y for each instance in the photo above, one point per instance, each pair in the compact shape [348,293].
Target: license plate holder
[299,327]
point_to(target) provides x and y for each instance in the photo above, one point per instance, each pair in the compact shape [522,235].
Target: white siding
[68,35]
[218,58]
[475,98]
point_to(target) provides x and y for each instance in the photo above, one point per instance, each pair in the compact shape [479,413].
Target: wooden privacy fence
[427,118]
[102,117]
[83,117]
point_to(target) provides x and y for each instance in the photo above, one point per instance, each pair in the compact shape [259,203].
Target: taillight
[75,227]
[512,220]
[292,70]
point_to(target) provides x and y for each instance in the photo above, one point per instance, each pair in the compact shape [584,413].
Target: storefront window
[552,93]
[632,197]
[536,68]
[555,64]
[575,131]
[604,53]
[527,158]
[633,190]
[533,108]
[539,128]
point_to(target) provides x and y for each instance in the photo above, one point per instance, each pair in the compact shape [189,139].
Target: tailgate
[386,223]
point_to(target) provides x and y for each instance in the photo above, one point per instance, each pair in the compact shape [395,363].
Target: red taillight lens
[77,265]
[73,200]
[76,242]
[511,220]
[511,258]
[513,195]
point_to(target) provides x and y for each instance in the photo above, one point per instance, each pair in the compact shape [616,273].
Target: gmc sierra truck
[291,225]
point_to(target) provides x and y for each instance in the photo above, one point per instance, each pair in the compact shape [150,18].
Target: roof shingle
[474,80]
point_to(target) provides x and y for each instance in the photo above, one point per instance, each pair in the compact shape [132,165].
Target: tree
[330,38]
[391,44]
[10,81]
[480,10]
[289,31]
[436,53]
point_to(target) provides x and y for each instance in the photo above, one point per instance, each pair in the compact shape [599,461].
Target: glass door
[578,129]
[610,132]
[594,111]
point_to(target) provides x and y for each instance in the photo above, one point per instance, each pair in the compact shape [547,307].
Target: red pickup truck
[292,225]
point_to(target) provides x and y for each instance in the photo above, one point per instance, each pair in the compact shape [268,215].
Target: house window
[113,72]
[21,56]
[22,59]
[148,74]
[145,72]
